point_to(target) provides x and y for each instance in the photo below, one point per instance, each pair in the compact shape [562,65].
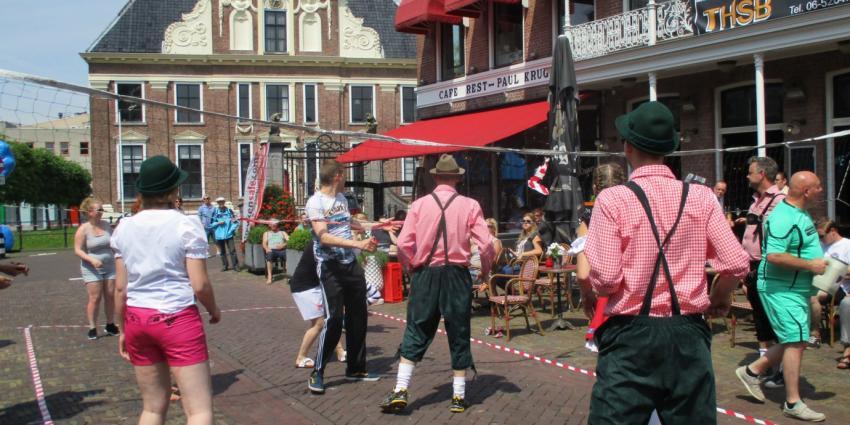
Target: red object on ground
[490,127]
[75,216]
[392,291]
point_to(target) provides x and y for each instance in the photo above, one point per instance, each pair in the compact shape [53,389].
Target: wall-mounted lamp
[601,146]
[473,69]
[423,82]
[532,55]
[726,66]
[793,127]
[628,81]
[688,106]
[795,92]
[844,47]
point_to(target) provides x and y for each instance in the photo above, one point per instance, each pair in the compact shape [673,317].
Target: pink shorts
[153,337]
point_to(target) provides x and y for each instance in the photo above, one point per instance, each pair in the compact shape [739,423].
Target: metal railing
[635,28]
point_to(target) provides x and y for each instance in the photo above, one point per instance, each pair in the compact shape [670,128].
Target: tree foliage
[41,177]
[279,205]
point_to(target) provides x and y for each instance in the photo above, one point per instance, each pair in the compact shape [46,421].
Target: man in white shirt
[838,247]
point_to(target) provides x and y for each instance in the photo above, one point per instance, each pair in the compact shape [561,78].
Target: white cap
[220,199]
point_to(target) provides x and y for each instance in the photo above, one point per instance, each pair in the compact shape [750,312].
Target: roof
[140,26]
[73,121]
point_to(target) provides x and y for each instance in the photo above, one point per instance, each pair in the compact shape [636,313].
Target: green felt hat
[159,175]
[650,128]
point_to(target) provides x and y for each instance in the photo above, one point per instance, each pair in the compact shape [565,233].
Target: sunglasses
[98,210]
[527,222]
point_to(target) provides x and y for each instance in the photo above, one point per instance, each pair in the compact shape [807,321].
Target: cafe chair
[546,288]
[740,307]
[516,297]
[711,319]
[832,317]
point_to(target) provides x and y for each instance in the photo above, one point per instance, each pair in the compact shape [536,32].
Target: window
[841,96]
[507,34]
[84,148]
[30,145]
[243,103]
[188,95]
[190,159]
[408,174]
[451,52]
[64,148]
[245,155]
[581,11]
[361,103]
[276,31]
[636,4]
[277,101]
[130,112]
[51,146]
[408,105]
[738,105]
[131,161]
[311,111]
[838,119]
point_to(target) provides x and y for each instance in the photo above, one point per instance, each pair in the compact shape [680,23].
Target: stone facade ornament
[240,7]
[192,35]
[313,6]
[275,4]
[357,40]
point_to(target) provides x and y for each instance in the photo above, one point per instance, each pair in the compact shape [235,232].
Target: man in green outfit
[792,255]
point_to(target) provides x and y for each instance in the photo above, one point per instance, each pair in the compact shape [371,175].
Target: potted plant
[255,256]
[299,240]
[555,252]
[373,265]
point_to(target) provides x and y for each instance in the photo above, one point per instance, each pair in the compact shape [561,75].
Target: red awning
[413,16]
[472,129]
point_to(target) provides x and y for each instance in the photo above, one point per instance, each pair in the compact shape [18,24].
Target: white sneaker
[802,412]
[751,383]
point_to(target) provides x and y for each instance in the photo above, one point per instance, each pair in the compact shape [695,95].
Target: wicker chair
[546,289]
[832,317]
[516,296]
[741,306]
[712,318]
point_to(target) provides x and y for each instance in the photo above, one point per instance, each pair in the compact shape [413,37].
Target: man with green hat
[647,249]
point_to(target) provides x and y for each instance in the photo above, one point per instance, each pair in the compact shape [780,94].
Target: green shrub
[255,235]
[299,239]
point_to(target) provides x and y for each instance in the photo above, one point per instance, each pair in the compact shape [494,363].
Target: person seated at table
[528,244]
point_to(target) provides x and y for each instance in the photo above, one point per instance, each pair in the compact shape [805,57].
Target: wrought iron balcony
[635,28]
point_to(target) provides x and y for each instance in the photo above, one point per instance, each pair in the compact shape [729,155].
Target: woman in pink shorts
[161,269]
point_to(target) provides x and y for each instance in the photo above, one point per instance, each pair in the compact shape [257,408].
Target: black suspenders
[441,230]
[661,259]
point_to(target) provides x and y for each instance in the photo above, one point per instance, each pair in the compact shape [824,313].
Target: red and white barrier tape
[571,368]
[36,379]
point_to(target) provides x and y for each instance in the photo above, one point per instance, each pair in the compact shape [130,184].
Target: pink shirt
[762,204]
[621,248]
[464,221]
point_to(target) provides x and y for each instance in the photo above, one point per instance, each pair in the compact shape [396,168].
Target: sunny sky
[45,38]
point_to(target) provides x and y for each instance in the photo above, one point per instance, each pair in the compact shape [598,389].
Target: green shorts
[788,313]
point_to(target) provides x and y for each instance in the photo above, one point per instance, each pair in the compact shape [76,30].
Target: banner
[255,185]
[721,15]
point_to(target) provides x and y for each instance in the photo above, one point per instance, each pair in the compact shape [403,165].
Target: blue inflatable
[7,158]
[9,236]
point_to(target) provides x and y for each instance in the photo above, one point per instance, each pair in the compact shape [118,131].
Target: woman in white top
[161,270]
[97,265]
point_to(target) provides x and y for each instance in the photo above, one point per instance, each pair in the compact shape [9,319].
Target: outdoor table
[560,323]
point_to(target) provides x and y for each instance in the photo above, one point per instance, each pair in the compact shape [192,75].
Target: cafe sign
[520,76]
[720,15]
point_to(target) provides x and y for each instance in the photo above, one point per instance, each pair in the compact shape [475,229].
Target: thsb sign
[720,15]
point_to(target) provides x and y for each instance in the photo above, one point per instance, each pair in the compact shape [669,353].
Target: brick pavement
[254,381]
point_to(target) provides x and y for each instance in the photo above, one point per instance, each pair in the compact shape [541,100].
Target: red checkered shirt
[622,250]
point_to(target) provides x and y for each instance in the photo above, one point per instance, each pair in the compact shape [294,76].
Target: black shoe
[224,269]
[775,381]
[316,384]
[111,329]
[93,333]
[362,376]
[458,405]
[395,401]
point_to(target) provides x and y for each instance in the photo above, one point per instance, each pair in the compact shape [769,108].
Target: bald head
[804,189]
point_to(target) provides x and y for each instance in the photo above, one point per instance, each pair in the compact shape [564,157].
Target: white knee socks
[459,386]
[405,371]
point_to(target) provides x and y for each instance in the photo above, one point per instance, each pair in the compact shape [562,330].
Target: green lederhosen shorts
[788,313]
[661,363]
[434,292]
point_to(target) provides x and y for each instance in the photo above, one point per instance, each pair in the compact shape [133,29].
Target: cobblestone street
[253,351]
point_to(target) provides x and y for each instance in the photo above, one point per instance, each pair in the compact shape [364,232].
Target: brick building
[760,72]
[327,64]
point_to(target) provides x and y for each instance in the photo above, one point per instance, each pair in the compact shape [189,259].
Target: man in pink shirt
[647,248]
[761,175]
[434,245]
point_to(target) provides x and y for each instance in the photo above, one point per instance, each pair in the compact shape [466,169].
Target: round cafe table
[560,322]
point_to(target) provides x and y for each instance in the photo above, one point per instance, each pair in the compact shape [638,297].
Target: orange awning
[472,129]
[413,16]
